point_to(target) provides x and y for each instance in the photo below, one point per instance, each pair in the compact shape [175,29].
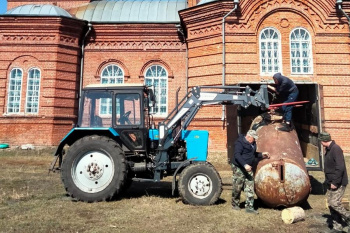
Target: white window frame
[113,77]
[278,53]
[17,90]
[300,50]
[155,72]
[34,93]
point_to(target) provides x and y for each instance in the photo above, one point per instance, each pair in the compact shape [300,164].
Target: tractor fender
[79,132]
[182,165]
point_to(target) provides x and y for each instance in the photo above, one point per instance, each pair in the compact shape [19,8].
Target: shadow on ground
[159,189]
[318,188]
[140,189]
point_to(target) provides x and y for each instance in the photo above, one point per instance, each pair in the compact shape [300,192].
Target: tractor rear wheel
[200,184]
[94,169]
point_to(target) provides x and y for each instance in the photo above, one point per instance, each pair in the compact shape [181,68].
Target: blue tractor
[116,141]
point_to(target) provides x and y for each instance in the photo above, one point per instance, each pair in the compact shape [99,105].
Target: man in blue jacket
[244,155]
[336,180]
[289,92]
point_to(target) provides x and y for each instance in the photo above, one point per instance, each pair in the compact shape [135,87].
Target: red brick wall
[330,47]
[149,45]
[134,47]
[52,45]
[59,60]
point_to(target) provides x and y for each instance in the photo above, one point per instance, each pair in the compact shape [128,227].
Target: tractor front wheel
[200,184]
[94,169]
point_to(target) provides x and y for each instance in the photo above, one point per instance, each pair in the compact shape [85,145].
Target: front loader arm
[218,95]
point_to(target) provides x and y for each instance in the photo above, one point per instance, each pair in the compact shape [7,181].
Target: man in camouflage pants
[244,155]
[336,180]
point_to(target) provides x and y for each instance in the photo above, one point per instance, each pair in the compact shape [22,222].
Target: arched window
[300,52]
[270,51]
[33,90]
[111,74]
[157,77]
[14,91]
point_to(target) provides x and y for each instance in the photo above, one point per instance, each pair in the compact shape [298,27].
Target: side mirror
[151,99]
[148,103]
[151,104]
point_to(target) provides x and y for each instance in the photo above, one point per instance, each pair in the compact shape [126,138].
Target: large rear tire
[94,169]
[200,184]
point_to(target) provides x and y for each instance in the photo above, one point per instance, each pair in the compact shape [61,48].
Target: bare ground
[33,201]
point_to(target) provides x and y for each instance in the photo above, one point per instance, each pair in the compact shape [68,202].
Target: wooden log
[293,215]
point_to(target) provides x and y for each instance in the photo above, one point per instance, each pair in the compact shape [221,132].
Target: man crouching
[243,177]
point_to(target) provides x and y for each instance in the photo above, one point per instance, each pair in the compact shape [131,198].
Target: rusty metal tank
[281,180]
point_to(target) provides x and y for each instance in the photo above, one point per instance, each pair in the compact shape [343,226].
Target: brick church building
[51,49]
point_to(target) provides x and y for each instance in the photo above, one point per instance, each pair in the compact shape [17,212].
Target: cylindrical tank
[281,180]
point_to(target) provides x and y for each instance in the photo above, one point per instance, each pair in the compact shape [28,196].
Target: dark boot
[251,211]
[286,128]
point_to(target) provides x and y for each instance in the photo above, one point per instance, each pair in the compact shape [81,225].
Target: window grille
[270,51]
[14,91]
[300,52]
[33,90]
[111,74]
[157,77]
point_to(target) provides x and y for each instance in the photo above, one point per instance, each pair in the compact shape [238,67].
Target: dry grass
[33,201]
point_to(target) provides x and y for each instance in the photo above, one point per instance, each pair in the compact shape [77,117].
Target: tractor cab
[124,108]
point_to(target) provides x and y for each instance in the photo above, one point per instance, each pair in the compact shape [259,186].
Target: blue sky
[3,6]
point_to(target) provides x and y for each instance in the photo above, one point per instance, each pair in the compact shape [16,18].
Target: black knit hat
[324,137]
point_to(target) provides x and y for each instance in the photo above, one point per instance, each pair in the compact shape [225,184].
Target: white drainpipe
[82,62]
[236,2]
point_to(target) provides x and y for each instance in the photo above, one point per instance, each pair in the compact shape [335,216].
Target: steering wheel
[125,118]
